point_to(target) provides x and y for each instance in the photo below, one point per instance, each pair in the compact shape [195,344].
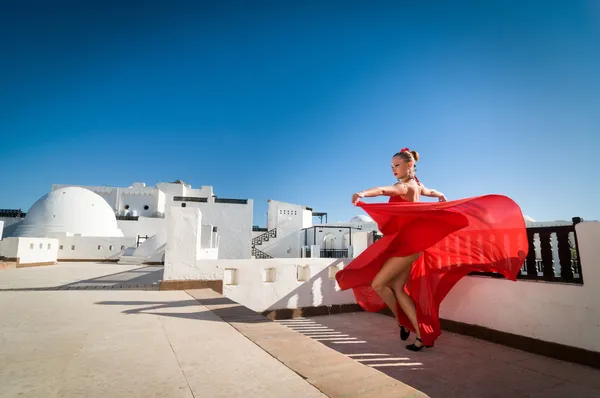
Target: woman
[428,247]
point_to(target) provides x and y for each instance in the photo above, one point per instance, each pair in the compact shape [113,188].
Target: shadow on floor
[458,366]
[231,312]
[142,278]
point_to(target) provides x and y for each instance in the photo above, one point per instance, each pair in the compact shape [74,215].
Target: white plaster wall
[137,199]
[360,241]
[37,250]
[152,248]
[184,236]
[286,217]
[161,200]
[285,291]
[86,247]
[143,226]
[560,313]
[30,250]
[306,219]
[287,246]
[9,247]
[234,225]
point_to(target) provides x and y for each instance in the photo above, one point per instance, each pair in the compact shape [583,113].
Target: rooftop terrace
[81,329]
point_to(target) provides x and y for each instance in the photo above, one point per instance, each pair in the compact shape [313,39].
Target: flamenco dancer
[427,248]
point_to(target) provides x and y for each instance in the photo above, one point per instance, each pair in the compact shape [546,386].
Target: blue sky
[304,101]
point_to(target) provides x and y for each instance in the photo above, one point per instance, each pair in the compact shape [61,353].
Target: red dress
[485,234]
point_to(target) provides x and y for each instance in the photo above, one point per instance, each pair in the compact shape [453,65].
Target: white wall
[1,228]
[9,247]
[360,241]
[183,249]
[134,200]
[233,222]
[143,226]
[30,250]
[135,197]
[92,247]
[287,216]
[287,246]
[273,284]
[555,312]
[333,235]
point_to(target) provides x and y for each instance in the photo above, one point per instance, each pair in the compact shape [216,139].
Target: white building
[290,233]
[128,224]
[141,210]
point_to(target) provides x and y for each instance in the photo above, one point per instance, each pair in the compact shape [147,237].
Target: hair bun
[415,155]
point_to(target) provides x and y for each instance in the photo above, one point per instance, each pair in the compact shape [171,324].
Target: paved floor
[75,344]
[102,330]
[458,366]
[124,342]
[81,275]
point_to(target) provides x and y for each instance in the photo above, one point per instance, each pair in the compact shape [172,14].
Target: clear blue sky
[304,101]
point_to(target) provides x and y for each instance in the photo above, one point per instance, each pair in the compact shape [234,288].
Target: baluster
[564,255]
[530,262]
[547,257]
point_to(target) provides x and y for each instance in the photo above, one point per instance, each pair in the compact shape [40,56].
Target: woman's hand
[442,197]
[356,197]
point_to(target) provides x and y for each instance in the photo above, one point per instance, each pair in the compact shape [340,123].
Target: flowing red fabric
[485,234]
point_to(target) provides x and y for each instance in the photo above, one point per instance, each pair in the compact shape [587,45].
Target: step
[132,260]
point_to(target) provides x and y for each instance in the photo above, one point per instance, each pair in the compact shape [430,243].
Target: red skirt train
[484,234]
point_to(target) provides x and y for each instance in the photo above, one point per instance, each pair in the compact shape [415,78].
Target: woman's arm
[392,190]
[432,193]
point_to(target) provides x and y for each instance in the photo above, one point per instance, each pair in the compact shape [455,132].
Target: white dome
[528,219]
[362,219]
[71,210]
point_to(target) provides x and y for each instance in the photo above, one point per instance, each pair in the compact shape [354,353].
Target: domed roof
[361,219]
[71,210]
[528,219]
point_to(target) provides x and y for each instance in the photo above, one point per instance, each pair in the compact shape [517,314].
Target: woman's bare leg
[391,270]
[406,303]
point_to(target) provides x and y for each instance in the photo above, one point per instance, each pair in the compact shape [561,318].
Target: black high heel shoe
[414,347]
[404,333]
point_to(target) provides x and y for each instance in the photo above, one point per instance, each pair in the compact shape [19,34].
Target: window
[49,246]
[72,247]
[60,247]
[183,205]
[146,207]
[99,247]
[110,247]
[31,246]
[41,245]
[126,207]
[122,247]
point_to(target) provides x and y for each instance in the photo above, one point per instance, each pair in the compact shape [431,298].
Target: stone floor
[458,366]
[99,343]
[104,330]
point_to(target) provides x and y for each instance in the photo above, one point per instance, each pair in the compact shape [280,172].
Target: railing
[259,254]
[256,228]
[258,240]
[12,213]
[376,236]
[334,253]
[190,199]
[141,239]
[308,252]
[128,218]
[559,255]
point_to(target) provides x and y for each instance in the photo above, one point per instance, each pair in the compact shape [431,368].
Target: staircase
[259,240]
[132,260]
